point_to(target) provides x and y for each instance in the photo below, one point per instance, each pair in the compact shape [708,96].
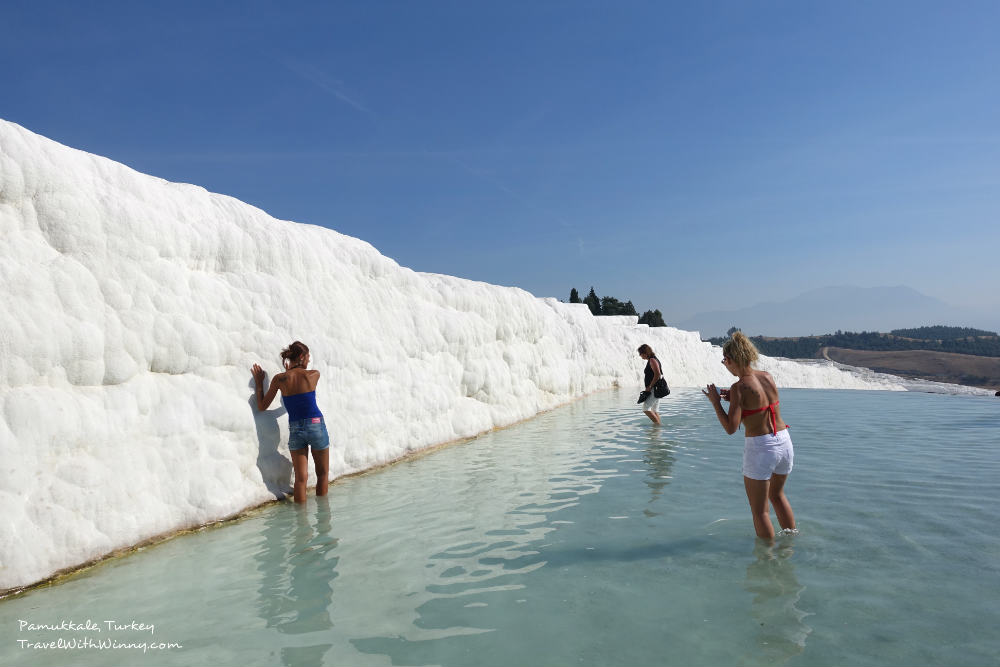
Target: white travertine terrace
[133,308]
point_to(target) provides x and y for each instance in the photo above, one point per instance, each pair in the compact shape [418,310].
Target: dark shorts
[308,433]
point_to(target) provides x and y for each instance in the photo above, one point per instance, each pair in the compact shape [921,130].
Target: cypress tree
[593,302]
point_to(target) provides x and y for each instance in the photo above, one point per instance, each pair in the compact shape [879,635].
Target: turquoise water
[587,537]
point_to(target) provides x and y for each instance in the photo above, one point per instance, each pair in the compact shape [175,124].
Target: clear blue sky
[687,156]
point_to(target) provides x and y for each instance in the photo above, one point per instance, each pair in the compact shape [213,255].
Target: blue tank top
[301,406]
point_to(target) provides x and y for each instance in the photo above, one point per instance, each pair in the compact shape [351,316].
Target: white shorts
[651,403]
[764,455]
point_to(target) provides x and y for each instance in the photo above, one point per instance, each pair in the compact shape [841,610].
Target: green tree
[611,306]
[593,302]
[732,330]
[653,318]
[940,332]
[574,296]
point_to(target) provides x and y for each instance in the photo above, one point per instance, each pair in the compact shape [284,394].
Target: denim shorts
[308,433]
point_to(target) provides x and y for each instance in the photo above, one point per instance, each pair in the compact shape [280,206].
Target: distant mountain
[828,309]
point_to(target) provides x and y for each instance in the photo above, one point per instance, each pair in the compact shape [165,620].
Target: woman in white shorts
[768,453]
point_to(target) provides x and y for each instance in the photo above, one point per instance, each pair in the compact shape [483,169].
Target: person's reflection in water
[660,459]
[296,574]
[771,578]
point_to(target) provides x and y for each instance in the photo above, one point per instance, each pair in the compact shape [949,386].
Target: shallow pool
[585,536]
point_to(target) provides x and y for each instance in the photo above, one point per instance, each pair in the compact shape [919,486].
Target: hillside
[967,369]
[958,340]
[958,355]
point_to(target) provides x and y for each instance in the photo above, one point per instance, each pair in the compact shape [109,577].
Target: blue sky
[687,156]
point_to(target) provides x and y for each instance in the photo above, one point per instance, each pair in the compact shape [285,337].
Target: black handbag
[660,389]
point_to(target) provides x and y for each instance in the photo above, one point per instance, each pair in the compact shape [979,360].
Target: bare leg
[757,495]
[300,463]
[653,416]
[782,508]
[321,460]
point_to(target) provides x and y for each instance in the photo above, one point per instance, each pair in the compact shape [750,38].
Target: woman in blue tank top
[306,426]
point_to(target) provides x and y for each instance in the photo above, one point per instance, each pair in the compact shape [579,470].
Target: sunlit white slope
[132,309]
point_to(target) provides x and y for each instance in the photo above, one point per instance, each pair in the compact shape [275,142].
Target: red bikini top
[773,416]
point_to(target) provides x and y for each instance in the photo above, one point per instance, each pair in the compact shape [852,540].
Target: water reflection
[771,578]
[477,575]
[660,458]
[297,569]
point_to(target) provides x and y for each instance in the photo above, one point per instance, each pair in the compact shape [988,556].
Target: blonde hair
[740,350]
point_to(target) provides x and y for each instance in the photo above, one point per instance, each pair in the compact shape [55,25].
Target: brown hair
[740,350]
[291,355]
[645,349]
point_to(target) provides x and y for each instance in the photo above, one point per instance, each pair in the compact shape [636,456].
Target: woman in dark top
[306,426]
[651,374]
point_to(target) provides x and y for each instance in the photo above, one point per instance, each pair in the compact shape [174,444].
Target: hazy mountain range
[847,308]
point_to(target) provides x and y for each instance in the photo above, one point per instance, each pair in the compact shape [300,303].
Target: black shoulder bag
[660,389]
